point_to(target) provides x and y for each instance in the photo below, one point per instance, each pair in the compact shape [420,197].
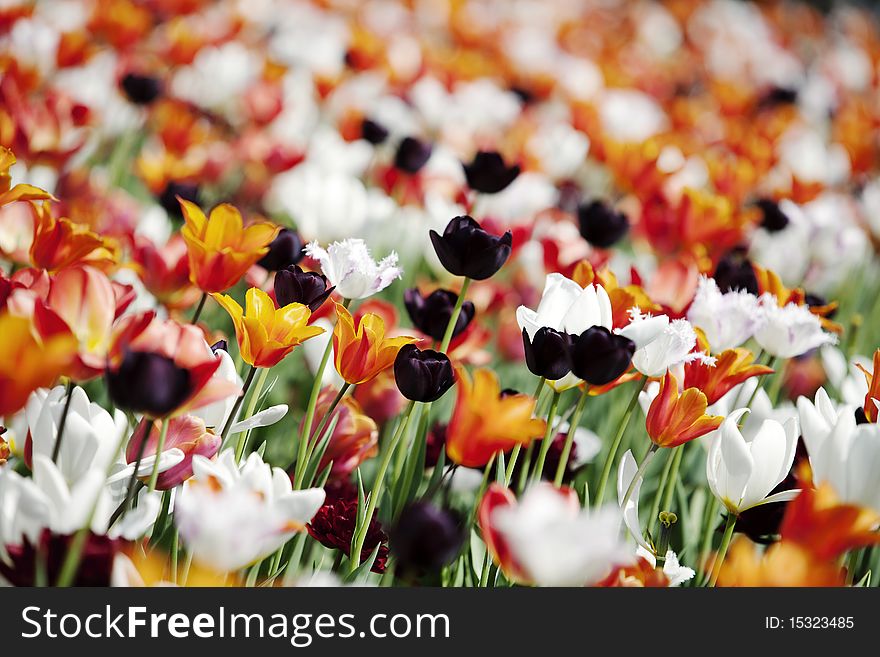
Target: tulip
[361,349]
[61,243]
[20,192]
[186,433]
[728,319]
[485,422]
[566,307]
[373,132]
[731,368]
[231,516]
[412,154]
[431,314]
[488,174]
[160,367]
[871,406]
[548,354]
[465,249]
[91,434]
[84,298]
[426,537]
[266,334]
[659,350]
[599,356]
[355,437]
[601,225]
[843,454]
[422,376]
[789,331]
[31,358]
[164,271]
[349,267]
[293,285]
[546,539]
[286,250]
[140,89]
[675,419]
[735,272]
[742,473]
[220,248]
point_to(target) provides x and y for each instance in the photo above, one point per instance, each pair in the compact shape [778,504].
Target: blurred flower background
[447,292]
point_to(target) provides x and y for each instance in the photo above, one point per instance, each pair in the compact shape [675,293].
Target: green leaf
[361,573]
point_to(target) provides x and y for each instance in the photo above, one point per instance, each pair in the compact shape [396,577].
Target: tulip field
[459,293]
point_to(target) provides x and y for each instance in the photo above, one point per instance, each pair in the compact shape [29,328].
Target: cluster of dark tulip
[597,356]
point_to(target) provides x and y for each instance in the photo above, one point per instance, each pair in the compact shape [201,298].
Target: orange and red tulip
[361,347]
[675,418]
[873,394]
[732,367]
[484,422]
[60,243]
[221,248]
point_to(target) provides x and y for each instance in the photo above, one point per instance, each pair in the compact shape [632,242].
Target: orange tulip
[873,388]
[484,422]
[675,418]
[783,564]
[266,334]
[34,352]
[21,192]
[221,249]
[60,243]
[361,348]
[732,367]
[165,271]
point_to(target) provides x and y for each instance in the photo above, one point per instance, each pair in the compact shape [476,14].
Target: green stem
[706,543]
[354,558]
[514,455]
[235,408]
[658,495]
[770,363]
[569,439]
[673,477]
[329,413]
[643,466]
[722,550]
[249,411]
[612,453]
[63,422]
[302,448]
[160,447]
[199,308]
[453,318]
[545,443]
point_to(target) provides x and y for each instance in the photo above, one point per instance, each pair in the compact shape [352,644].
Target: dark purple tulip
[599,356]
[773,219]
[488,174]
[735,272]
[431,314]
[465,249]
[148,383]
[284,251]
[173,190]
[293,285]
[601,225]
[422,376]
[373,132]
[426,537]
[412,155]
[95,568]
[141,89]
[548,354]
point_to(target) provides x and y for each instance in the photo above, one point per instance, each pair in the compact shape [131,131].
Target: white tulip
[349,266]
[742,472]
[789,331]
[727,319]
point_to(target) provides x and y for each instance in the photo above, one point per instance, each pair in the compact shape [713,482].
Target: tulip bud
[488,174]
[601,225]
[412,155]
[774,219]
[186,433]
[148,383]
[426,537]
[548,354]
[373,132]
[431,314]
[465,249]
[422,376]
[599,356]
[735,272]
[284,251]
[174,190]
[141,89]
[293,285]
